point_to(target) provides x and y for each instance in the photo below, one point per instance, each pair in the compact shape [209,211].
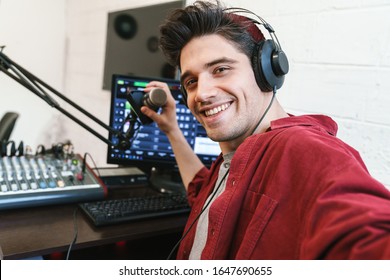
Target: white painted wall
[339,52]
[33,33]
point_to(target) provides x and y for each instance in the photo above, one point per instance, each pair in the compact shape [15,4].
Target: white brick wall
[339,52]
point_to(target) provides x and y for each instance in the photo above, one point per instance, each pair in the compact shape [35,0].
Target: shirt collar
[322,121]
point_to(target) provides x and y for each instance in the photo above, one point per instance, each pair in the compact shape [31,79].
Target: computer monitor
[150,149]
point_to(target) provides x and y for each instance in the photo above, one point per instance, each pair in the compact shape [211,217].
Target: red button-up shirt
[293,192]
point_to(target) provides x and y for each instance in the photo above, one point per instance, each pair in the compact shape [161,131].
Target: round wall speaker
[125,26]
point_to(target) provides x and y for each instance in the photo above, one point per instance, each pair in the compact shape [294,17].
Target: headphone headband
[270,63]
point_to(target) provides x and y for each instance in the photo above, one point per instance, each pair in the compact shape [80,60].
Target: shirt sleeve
[350,220]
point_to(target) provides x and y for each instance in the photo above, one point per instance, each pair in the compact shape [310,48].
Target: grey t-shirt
[203,223]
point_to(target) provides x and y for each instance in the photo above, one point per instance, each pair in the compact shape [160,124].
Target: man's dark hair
[204,18]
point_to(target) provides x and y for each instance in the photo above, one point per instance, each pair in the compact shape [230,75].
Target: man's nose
[205,89]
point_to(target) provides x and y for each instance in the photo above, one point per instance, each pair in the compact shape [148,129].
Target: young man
[284,187]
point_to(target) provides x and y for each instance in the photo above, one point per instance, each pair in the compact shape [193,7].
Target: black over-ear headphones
[270,63]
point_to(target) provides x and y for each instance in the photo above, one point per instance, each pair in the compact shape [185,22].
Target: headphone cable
[266,110]
[201,212]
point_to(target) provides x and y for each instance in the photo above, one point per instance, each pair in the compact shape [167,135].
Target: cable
[76,232]
[75,225]
[197,217]
[40,150]
[266,110]
[93,161]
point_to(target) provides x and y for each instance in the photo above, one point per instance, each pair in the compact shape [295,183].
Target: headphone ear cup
[269,65]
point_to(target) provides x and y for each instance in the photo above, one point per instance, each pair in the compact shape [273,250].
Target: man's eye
[220,69]
[189,83]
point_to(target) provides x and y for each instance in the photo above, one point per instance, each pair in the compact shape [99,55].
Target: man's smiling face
[222,92]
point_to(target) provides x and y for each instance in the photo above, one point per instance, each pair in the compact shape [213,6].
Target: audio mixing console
[27,181]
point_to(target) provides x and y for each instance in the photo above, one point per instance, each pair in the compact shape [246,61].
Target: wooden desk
[45,230]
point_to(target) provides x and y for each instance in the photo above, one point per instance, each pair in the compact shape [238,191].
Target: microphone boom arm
[36,85]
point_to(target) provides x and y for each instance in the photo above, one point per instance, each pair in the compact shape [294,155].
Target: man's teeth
[216,110]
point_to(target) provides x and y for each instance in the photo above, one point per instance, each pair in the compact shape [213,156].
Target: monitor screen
[150,147]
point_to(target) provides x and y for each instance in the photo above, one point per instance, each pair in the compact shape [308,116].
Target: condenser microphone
[154,99]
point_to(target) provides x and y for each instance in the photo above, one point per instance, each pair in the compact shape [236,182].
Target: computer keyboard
[108,212]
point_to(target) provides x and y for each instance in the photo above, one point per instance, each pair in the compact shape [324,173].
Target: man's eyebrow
[210,64]
[220,60]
